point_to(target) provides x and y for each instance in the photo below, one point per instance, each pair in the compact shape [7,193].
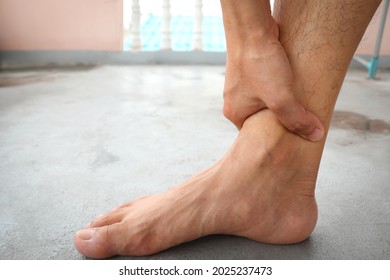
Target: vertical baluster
[198,18]
[166,25]
[135,26]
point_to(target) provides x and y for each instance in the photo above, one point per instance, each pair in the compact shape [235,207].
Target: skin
[264,186]
[238,195]
[258,73]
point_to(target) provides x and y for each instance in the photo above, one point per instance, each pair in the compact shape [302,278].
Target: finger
[231,114]
[297,119]
[238,113]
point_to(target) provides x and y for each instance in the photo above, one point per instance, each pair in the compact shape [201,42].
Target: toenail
[86,234]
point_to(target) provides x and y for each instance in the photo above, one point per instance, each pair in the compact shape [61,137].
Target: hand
[259,76]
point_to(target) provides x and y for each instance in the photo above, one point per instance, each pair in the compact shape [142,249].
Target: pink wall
[92,25]
[368,42]
[61,25]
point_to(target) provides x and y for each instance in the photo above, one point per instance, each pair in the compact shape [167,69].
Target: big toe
[100,242]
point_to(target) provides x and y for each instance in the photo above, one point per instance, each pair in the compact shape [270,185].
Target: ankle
[272,145]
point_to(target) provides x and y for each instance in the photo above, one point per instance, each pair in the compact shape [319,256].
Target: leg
[320,38]
[257,68]
[263,188]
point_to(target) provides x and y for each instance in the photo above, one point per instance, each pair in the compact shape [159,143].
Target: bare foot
[262,189]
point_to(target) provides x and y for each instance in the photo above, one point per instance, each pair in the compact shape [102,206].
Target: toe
[131,203]
[124,205]
[110,218]
[100,242]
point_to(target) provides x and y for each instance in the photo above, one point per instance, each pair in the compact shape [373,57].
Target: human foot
[262,189]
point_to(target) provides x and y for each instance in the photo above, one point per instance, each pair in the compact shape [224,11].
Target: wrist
[255,39]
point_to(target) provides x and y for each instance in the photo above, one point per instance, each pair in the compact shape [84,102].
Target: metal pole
[381,28]
[373,64]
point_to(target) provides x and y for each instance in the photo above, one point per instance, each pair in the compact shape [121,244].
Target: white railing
[166,34]
[136,26]
[198,16]
[166,25]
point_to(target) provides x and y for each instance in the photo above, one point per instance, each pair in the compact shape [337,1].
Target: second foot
[262,189]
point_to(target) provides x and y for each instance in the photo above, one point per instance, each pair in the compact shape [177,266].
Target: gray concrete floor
[76,142]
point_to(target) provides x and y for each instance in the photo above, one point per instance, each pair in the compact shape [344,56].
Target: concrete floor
[76,142]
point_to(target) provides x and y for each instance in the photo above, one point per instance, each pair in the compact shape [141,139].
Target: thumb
[298,120]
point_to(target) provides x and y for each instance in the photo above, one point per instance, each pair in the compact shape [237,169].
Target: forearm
[246,20]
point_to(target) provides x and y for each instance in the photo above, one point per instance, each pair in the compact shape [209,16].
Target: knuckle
[277,106]
[278,103]
[232,115]
[229,110]
[297,126]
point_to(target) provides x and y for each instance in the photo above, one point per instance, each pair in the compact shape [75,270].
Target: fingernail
[86,234]
[316,135]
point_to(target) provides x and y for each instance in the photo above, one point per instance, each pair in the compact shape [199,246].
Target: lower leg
[320,38]
[263,188]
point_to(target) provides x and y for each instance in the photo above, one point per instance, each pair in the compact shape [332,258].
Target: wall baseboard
[16,59]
